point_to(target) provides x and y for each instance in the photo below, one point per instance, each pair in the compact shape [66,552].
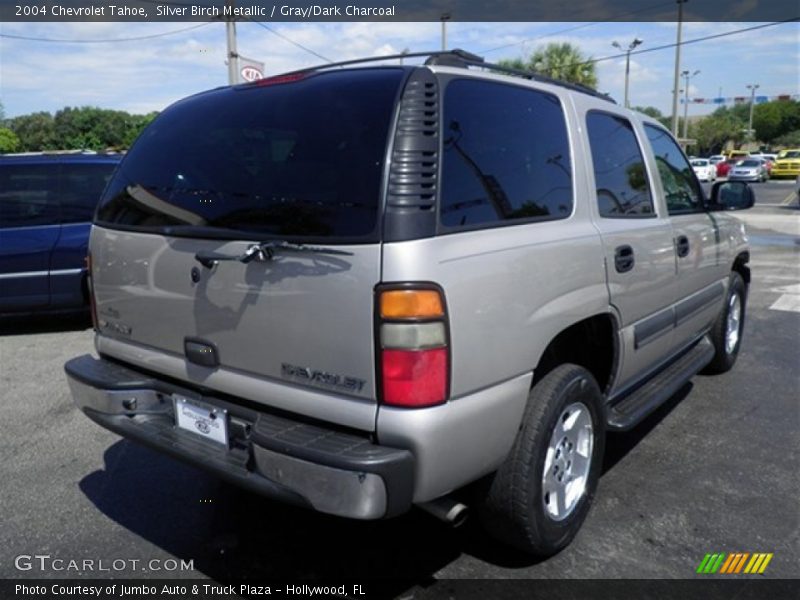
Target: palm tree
[560,61]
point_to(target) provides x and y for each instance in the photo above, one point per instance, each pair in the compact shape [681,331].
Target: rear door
[699,252]
[29,229]
[296,161]
[637,239]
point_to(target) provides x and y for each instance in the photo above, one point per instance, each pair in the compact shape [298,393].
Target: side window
[619,169]
[81,187]
[684,194]
[506,155]
[28,195]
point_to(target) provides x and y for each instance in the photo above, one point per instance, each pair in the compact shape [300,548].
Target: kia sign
[250,70]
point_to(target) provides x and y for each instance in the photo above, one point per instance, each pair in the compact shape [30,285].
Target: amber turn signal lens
[411,304]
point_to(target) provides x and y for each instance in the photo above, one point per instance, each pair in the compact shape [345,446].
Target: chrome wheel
[568,461]
[733,323]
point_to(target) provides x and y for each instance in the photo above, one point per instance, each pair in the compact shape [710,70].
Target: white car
[704,169]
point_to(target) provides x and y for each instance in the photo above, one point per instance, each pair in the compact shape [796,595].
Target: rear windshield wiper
[262,252]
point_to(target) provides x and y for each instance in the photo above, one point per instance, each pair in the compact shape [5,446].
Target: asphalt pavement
[715,470]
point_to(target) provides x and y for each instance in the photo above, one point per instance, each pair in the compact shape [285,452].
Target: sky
[147,75]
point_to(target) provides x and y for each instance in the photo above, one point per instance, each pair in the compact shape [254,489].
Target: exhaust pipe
[446,509]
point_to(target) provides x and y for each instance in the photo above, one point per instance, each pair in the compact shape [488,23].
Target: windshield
[749,163]
[699,163]
[790,154]
[300,159]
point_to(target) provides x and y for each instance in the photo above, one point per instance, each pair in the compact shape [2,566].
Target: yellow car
[787,164]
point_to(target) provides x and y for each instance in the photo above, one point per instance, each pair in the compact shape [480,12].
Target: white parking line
[789,300]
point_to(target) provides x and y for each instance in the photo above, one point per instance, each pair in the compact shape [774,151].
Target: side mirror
[731,195]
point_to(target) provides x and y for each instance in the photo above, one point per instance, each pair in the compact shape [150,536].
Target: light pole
[444,18]
[675,83]
[631,46]
[687,76]
[752,87]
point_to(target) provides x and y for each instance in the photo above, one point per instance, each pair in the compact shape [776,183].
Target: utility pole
[676,83]
[687,76]
[233,55]
[631,46]
[444,18]
[752,87]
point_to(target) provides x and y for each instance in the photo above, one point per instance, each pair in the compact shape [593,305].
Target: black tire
[513,508]
[725,356]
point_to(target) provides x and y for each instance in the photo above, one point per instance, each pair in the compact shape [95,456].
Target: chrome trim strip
[26,274]
[23,274]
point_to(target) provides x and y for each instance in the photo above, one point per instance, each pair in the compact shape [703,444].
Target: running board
[634,407]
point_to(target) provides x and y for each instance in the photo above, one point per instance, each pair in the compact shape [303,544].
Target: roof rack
[463,59]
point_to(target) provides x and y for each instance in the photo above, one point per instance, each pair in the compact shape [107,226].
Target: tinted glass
[506,155]
[81,187]
[750,163]
[297,159]
[28,195]
[619,170]
[680,185]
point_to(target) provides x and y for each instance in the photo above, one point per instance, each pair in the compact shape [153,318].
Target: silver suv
[362,289]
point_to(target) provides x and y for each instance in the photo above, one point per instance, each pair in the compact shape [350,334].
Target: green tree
[790,139]
[773,119]
[560,61]
[9,142]
[35,131]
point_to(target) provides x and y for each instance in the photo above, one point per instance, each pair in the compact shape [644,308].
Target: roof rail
[463,59]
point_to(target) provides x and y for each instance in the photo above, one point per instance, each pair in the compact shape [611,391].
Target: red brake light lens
[414,378]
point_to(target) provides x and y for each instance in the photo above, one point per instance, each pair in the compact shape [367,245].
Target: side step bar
[634,407]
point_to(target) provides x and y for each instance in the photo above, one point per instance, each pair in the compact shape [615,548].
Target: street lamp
[687,76]
[444,19]
[752,87]
[675,83]
[631,46]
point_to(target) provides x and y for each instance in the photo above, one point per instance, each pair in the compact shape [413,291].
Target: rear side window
[619,171]
[506,155]
[80,189]
[683,192]
[299,159]
[28,195]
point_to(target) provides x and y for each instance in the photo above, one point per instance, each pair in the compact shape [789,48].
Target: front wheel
[726,333]
[540,496]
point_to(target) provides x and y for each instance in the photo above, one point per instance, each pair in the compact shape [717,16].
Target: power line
[683,43]
[291,41]
[560,31]
[101,41]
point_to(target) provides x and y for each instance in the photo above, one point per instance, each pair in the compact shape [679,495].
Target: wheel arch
[592,343]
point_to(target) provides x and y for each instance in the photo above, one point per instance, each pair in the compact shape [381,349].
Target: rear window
[28,195]
[294,160]
[80,188]
[506,156]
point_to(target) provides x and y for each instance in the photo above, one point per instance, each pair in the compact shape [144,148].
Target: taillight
[90,289]
[413,346]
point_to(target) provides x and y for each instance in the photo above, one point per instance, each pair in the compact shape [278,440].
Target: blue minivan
[47,202]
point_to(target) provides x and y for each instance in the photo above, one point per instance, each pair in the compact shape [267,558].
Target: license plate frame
[202,419]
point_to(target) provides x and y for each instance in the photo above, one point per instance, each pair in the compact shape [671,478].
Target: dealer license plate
[203,419]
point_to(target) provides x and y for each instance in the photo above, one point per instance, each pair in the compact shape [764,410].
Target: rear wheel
[726,333]
[541,494]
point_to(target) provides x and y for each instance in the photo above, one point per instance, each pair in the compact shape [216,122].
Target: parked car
[787,164]
[46,207]
[336,301]
[704,170]
[750,169]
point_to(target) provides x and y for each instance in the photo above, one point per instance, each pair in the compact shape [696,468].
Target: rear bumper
[331,471]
